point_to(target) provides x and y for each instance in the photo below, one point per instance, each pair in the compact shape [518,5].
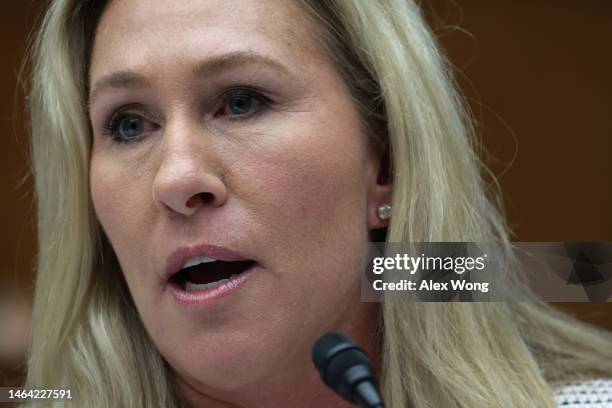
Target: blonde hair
[86,332]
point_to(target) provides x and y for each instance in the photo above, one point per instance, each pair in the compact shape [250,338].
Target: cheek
[309,177]
[102,184]
[309,191]
[318,220]
[119,205]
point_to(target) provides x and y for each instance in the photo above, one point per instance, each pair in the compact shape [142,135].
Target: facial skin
[292,186]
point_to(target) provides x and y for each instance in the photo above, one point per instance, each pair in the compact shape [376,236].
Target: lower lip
[208,296]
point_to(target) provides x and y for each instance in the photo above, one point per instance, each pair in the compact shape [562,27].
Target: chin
[227,372]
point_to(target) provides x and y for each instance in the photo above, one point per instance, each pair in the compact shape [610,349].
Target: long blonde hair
[87,335]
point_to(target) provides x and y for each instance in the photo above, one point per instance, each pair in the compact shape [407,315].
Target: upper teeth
[198,260]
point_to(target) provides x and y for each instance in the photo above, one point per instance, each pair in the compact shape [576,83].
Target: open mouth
[209,274]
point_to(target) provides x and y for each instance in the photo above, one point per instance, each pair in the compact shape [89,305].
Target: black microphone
[346,369]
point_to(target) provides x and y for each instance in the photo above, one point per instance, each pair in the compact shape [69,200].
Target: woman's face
[240,134]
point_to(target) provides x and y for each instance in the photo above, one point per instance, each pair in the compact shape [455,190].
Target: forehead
[133,32]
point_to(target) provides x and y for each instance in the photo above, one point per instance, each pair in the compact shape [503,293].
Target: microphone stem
[367,396]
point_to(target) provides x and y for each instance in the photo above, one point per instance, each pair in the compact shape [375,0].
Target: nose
[189,176]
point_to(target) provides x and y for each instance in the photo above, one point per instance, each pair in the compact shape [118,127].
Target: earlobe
[379,207]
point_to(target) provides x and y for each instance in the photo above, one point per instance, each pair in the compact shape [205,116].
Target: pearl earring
[384,212]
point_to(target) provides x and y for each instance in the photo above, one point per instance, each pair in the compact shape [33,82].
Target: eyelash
[111,126]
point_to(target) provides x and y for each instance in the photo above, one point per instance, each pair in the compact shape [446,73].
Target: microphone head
[342,364]
[328,346]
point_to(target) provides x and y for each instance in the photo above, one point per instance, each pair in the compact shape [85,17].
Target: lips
[202,268]
[202,274]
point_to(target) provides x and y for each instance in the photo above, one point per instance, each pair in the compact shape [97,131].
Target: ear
[380,190]
[379,195]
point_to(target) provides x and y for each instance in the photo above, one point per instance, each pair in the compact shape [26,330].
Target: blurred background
[537,76]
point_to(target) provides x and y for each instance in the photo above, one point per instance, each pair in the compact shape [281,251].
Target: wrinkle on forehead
[129,27]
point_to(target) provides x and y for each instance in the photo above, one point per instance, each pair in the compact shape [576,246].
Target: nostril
[206,198]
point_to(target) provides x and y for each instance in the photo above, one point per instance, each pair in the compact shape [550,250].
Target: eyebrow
[130,79]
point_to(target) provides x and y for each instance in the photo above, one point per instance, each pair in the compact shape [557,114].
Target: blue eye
[242,103]
[125,127]
[131,127]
